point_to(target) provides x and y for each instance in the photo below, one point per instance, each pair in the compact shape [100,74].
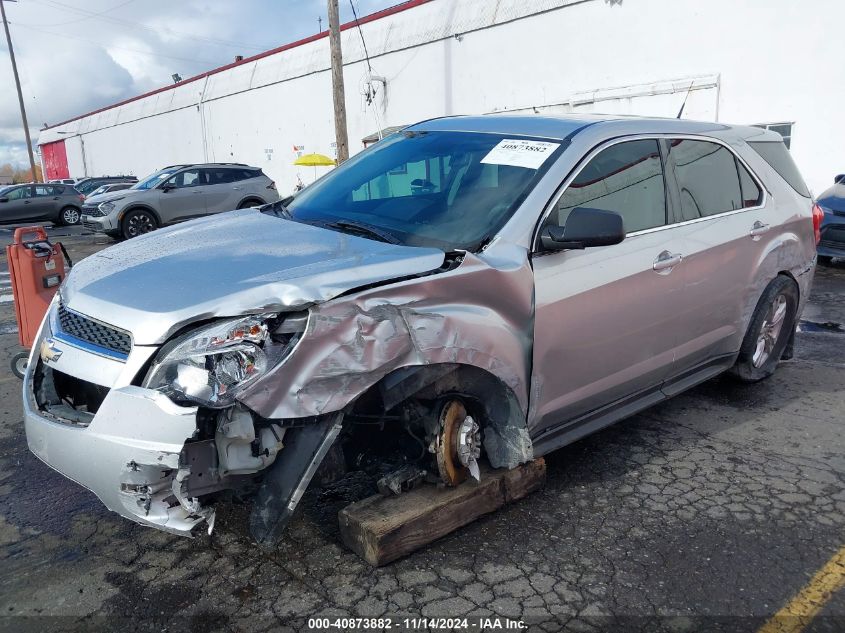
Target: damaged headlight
[213,364]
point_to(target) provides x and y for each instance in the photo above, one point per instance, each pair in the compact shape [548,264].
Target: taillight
[818,216]
[272,185]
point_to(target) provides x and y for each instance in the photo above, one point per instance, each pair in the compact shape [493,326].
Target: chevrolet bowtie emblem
[49,351]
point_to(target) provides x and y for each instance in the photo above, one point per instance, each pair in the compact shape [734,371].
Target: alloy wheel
[139,224]
[70,216]
[770,331]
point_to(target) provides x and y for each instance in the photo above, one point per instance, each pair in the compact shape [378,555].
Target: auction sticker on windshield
[520,153]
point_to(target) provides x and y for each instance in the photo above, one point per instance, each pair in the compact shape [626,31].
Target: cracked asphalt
[706,513]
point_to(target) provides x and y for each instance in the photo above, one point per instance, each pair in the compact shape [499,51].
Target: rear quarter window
[776,154]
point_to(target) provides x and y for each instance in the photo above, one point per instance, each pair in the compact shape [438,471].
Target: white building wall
[748,62]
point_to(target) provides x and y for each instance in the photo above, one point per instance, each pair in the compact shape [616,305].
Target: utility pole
[18,86]
[341,135]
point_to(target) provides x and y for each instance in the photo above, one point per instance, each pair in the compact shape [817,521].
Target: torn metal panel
[285,482]
[479,314]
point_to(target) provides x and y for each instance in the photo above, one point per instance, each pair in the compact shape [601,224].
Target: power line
[361,33]
[157,31]
[100,44]
[93,15]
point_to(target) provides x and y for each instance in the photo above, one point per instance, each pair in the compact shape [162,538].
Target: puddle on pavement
[827,326]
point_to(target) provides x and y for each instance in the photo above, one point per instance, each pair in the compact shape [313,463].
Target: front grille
[93,211]
[92,226]
[94,332]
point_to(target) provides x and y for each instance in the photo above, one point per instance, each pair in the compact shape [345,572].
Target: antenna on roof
[681,111]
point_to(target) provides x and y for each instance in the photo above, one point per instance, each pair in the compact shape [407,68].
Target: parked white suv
[175,194]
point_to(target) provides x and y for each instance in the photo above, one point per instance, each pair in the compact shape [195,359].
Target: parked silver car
[468,288]
[175,194]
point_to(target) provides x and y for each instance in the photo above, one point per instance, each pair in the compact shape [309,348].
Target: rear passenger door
[607,319]
[47,201]
[222,191]
[723,228]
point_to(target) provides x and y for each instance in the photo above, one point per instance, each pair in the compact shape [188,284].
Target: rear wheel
[70,216]
[248,204]
[137,222]
[768,333]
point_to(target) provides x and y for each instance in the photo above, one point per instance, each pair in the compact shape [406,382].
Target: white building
[739,61]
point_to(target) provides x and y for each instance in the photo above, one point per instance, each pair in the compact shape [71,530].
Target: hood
[109,195]
[833,198]
[230,264]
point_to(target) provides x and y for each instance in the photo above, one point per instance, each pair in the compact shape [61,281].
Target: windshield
[87,186]
[451,190]
[151,181]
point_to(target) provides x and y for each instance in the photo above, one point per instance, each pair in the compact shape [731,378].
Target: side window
[626,178]
[20,193]
[189,178]
[708,178]
[46,190]
[220,176]
[752,195]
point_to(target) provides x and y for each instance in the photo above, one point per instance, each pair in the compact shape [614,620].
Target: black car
[87,185]
[59,204]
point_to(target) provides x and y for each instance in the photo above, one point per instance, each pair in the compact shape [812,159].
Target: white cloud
[72,61]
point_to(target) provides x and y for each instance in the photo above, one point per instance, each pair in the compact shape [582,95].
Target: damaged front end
[413,380]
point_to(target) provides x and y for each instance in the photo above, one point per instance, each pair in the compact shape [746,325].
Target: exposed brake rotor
[457,446]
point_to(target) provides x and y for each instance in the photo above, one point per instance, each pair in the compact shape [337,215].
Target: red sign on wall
[54,156]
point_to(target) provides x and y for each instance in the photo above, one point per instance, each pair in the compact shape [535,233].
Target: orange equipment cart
[37,269]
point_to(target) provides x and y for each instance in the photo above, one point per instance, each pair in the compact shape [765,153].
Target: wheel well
[258,201]
[489,400]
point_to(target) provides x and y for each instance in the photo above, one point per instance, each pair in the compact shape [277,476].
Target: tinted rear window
[707,177]
[778,157]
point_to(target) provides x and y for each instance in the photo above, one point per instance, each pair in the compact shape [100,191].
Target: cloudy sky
[78,55]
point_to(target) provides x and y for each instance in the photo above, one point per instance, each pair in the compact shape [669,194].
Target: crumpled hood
[235,263]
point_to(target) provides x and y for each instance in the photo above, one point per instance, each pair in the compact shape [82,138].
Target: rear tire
[771,327]
[70,216]
[137,222]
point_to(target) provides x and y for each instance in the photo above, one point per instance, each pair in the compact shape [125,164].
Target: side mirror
[168,186]
[4,199]
[839,179]
[585,228]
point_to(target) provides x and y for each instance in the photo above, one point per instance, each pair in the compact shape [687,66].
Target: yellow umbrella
[312,160]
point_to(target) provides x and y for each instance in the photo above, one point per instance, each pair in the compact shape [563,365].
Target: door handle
[758,228]
[666,261]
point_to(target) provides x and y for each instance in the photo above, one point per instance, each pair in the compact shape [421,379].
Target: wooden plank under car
[382,529]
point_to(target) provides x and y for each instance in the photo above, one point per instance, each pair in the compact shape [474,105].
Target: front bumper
[128,455]
[832,243]
[101,224]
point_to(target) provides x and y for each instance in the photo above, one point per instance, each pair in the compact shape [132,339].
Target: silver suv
[470,288]
[175,194]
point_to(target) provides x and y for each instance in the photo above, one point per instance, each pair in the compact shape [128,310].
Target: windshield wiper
[278,209]
[348,226]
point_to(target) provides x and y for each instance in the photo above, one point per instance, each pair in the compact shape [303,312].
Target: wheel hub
[457,445]
[770,331]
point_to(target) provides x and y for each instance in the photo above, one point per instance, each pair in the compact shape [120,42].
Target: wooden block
[382,529]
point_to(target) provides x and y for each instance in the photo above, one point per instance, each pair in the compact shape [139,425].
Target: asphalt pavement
[710,512]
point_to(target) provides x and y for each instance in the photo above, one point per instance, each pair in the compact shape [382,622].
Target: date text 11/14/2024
[414,624]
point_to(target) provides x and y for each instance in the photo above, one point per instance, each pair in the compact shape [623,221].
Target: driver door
[606,321]
[186,199]
[19,205]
